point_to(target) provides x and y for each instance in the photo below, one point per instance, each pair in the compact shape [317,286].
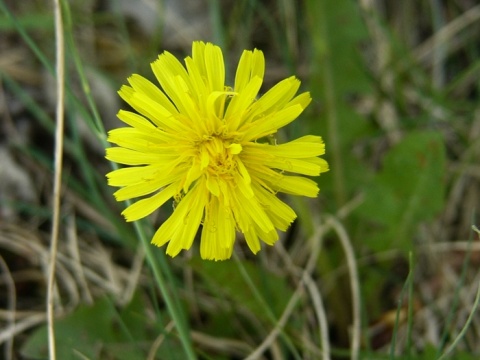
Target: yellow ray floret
[201,143]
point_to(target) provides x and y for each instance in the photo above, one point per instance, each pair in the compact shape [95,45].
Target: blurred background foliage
[395,87]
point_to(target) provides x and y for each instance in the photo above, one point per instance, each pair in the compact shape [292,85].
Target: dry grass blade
[232,347]
[73,249]
[354,284]
[159,340]
[11,305]
[25,324]
[306,279]
[270,339]
[424,51]
[320,312]
[60,72]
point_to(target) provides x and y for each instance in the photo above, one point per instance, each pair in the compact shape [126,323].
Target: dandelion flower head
[205,145]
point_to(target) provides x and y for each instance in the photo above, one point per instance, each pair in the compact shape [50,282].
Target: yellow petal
[145,207]
[131,157]
[298,185]
[311,166]
[135,120]
[195,216]
[251,64]
[198,82]
[271,123]
[212,185]
[184,236]
[252,241]
[139,140]
[156,113]
[215,67]
[276,98]
[243,171]
[140,84]
[268,238]
[243,186]
[198,57]
[176,221]
[257,215]
[147,186]
[216,240]
[174,79]
[280,213]
[133,175]
[193,174]
[235,148]
[303,100]
[304,147]
[240,102]
[126,92]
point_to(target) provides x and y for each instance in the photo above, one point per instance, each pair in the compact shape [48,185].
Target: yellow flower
[206,146]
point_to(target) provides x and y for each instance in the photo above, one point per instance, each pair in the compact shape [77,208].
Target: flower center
[217,155]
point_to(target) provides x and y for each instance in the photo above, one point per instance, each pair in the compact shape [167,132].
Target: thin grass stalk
[60,86]
[462,333]
[172,305]
[440,49]
[455,300]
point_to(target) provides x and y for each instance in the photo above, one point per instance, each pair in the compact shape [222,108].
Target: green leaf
[81,333]
[408,190]
[98,331]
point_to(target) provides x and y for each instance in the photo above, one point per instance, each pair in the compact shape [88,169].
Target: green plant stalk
[397,315]
[172,306]
[326,88]
[217,26]
[322,55]
[410,306]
